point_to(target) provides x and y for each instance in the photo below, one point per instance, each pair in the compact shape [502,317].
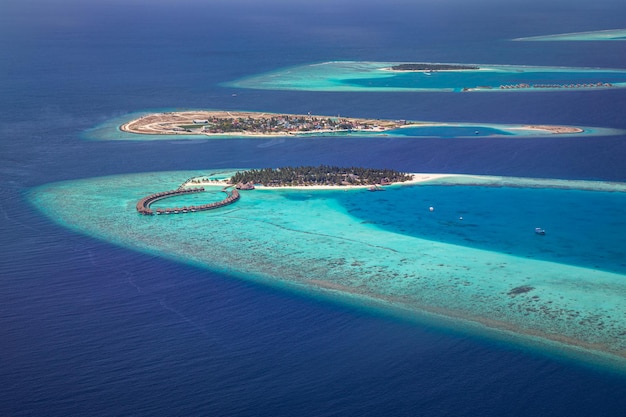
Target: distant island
[363,76]
[209,122]
[322,175]
[433,67]
[596,35]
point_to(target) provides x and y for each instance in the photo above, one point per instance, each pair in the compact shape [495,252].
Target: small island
[427,67]
[227,124]
[322,175]
[206,122]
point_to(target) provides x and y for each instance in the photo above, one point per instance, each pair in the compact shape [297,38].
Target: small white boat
[540,231]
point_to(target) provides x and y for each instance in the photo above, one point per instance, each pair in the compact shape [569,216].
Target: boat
[375,188]
[540,231]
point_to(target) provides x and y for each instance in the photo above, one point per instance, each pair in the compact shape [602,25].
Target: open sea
[91,328]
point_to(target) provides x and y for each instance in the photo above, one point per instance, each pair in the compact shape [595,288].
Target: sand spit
[559,130]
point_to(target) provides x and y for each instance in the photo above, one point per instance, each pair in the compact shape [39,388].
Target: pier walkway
[143,205]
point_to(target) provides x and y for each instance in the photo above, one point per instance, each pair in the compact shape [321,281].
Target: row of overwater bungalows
[143,205]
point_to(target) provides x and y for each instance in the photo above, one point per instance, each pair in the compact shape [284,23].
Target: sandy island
[207,122]
[448,178]
[257,124]
[595,35]
[554,129]
[415,179]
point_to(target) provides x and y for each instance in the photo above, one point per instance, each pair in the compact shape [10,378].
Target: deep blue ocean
[88,328]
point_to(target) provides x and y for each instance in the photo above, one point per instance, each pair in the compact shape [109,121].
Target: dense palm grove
[281,123]
[433,67]
[321,175]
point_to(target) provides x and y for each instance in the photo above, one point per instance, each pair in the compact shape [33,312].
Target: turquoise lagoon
[598,35]
[474,260]
[110,130]
[375,76]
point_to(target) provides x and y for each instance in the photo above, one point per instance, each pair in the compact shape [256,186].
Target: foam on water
[373,76]
[309,240]
[598,35]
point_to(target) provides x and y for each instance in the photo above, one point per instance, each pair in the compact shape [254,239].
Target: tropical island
[427,67]
[322,175]
[596,35]
[377,247]
[253,124]
[364,76]
[216,123]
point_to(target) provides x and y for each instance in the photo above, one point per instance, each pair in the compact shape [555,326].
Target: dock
[143,205]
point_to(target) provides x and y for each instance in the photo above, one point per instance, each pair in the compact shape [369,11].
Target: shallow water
[474,256]
[372,76]
[95,328]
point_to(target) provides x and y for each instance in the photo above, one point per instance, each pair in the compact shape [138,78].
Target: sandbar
[597,35]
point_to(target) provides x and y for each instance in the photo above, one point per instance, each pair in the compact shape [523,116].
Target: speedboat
[540,231]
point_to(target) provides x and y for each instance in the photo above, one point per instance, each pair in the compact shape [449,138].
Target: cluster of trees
[321,175]
[433,67]
[278,123]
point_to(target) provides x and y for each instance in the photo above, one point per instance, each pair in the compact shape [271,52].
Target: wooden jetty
[143,205]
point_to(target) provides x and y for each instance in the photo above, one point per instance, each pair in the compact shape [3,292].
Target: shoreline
[557,130]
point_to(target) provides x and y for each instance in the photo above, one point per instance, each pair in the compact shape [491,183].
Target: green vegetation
[191,126]
[280,124]
[433,67]
[321,175]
